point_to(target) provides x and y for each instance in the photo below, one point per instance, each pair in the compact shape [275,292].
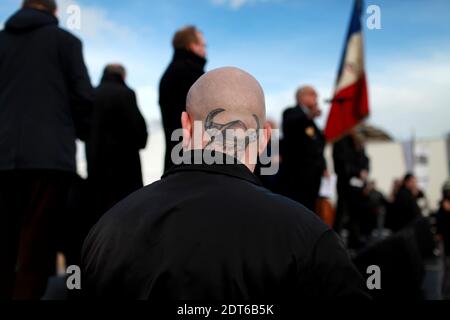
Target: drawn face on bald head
[227,99]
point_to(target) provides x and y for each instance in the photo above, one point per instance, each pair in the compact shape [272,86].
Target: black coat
[404,210]
[212,232]
[302,154]
[118,133]
[443,228]
[303,143]
[184,70]
[45,93]
[349,159]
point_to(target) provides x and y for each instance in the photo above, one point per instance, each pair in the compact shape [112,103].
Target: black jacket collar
[299,110]
[111,77]
[29,19]
[182,54]
[236,170]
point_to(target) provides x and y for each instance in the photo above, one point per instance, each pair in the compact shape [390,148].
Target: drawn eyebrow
[222,128]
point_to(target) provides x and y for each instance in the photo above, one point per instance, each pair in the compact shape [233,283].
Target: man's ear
[186,124]
[265,137]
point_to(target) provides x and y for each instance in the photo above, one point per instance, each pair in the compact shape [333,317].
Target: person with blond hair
[186,67]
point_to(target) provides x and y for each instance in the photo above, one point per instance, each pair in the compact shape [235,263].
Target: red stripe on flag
[350,106]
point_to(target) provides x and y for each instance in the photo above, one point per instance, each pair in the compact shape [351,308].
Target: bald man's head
[305,93]
[230,106]
[236,93]
[307,97]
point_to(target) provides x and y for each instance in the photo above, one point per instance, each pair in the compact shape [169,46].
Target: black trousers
[30,203]
[342,215]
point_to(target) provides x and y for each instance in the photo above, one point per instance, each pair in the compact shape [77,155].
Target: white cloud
[236,4]
[412,96]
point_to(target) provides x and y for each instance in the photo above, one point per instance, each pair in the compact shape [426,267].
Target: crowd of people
[204,231]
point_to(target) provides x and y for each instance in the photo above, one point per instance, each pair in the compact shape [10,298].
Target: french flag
[350,104]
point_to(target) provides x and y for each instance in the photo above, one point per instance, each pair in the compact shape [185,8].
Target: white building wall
[387,161]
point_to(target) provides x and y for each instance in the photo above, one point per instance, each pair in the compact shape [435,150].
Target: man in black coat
[443,230]
[45,99]
[118,132]
[186,67]
[302,150]
[209,230]
[350,164]
[443,218]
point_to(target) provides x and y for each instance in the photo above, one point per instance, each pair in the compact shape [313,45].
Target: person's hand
[415,191]
[446,205]
[364,175]
[316,112]
[326,174]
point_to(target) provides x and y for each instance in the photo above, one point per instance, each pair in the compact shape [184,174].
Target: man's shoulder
[283,213]
[115,89]
[178,68]
[65,35]
[294,112]
[138,199]
[258,200]
[404,194]
[127,211]
[290,211]
[289,111]
[172,74]
[295,116]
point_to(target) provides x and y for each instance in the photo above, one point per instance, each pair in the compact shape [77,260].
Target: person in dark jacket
[405,208]
[209,230]
[443,231]
[45,101]
[118,133]
[187,66]
[302,150]
[443,218]
[351,165]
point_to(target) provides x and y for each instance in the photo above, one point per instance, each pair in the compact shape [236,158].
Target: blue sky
[283,43]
